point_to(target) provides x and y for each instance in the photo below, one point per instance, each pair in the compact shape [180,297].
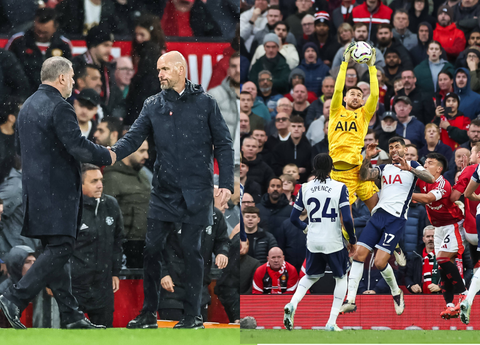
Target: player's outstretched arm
[421,173]
[372,101]
[366,172]
[340,82]
[424,198]
[470,191]
[297,211]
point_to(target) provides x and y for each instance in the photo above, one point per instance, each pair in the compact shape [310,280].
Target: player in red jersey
[470,224]
[447,218]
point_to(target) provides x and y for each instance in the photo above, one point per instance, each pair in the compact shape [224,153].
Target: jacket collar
[48,88]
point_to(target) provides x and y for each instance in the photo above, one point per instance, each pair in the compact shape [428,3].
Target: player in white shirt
[466,305]
[327,204]
[385,227]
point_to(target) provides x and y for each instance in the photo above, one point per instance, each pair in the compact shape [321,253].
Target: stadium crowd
[427,61]
[107,98]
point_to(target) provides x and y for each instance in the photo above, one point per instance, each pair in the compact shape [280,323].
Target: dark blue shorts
[339,263]
[383,231]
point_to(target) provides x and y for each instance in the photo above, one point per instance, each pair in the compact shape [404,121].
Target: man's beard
[275,195]
[137,166]
[169,85]
[388,129]
[355,107]
[265,89]
[384,43]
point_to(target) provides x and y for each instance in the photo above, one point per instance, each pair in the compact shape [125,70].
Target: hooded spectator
[425,36]
[473,41]
[18,260]
[419,13]
[297,76]
[314,68]
[469,100]
[473,59]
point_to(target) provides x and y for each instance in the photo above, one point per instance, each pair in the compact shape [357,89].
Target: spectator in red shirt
[276,276]
[450,37]
[372,12]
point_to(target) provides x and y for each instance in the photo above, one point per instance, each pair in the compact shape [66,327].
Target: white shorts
[449,238]
[472,238]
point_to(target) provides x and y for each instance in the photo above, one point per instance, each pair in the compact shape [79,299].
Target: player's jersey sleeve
[440,190]
[416,165]
[380,169]
[338,93]
[344,197]
[372,101]
[476,174]
[462,181]
[299,201]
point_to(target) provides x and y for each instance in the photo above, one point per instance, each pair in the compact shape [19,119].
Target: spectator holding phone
[452,122]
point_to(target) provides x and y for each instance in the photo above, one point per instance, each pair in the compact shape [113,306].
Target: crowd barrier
[373,312]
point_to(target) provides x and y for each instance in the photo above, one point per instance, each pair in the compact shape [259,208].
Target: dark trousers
[51,269]
[230,299]
[157,232]
[177,314]
[102,316]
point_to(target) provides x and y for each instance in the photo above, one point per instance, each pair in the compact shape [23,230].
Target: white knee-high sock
[303,285]
[354,279]
[389,276]
[338,297]
[474,287]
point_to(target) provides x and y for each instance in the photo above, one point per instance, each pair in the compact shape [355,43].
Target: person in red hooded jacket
[450,37]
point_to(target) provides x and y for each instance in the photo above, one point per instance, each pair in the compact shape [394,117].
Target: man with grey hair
[266,94]
[189,131]
[52,150]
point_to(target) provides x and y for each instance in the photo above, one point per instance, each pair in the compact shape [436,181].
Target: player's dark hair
[355,88]
[322,166]
[396,140]
[440,159]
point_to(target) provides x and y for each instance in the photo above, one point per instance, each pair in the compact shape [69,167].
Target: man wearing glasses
[124,74]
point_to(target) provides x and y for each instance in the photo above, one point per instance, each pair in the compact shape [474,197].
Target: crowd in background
[107,98]
[427,60]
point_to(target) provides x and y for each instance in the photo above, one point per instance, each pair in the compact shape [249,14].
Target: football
[362,52]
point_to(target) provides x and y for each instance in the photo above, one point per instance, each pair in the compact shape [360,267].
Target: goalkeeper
[347,129]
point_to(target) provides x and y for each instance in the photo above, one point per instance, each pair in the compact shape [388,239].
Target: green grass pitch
[273,336]
[119,336]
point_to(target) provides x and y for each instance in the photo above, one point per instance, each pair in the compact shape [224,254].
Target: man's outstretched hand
[113,155]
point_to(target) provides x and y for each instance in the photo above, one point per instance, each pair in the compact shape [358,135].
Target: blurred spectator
[214,240]
[38,43]
[274,207]
[274,62]
[8,117]
[282,125]
[253,21]
[401,31]
[470,105]
[345,34]
[314,68]
[248,266]
[188,19]
[123,74]
[321,146]
[370,138]
[422,274]
[258,107]
[99,46]
[244,126]
[11,211]
[300,103]
[411,153]
[386,42]
[287,49]
[130,186]
[408,126]
[288,187]
[87,77]
[427,71]
[418,13]
[258,171]
[453,123]
[246,103]
[261,137]
[372,13]
[17,15]
[228,285]
[13,81]
[18,260]
[148,44]
[389,124]
[473,41]
[293,241]
[226,13]
[425,36]
[220,69]
[250,186]
[434,144]
[446,32]
[109,131]
[267,94]
[325,41]
[284,105]
[308,26]
[473,57]
[295,149]
[473,133]
[465,13]
[315,132]
[77,17]
[315,110]
[97,259]
[228,93]
[247,201]
[294,20]
[261,241]
[275,277]
[86,105]
[456,164]
[410,90]
[297,76]
[342,14]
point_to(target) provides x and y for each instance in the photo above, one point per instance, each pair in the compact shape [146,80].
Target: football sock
[303,285]
[354,279]
[453,275]
[446,287]
[474,287]
[338,297]
[389,276]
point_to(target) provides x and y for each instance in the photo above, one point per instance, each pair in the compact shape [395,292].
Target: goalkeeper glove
[348,52]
